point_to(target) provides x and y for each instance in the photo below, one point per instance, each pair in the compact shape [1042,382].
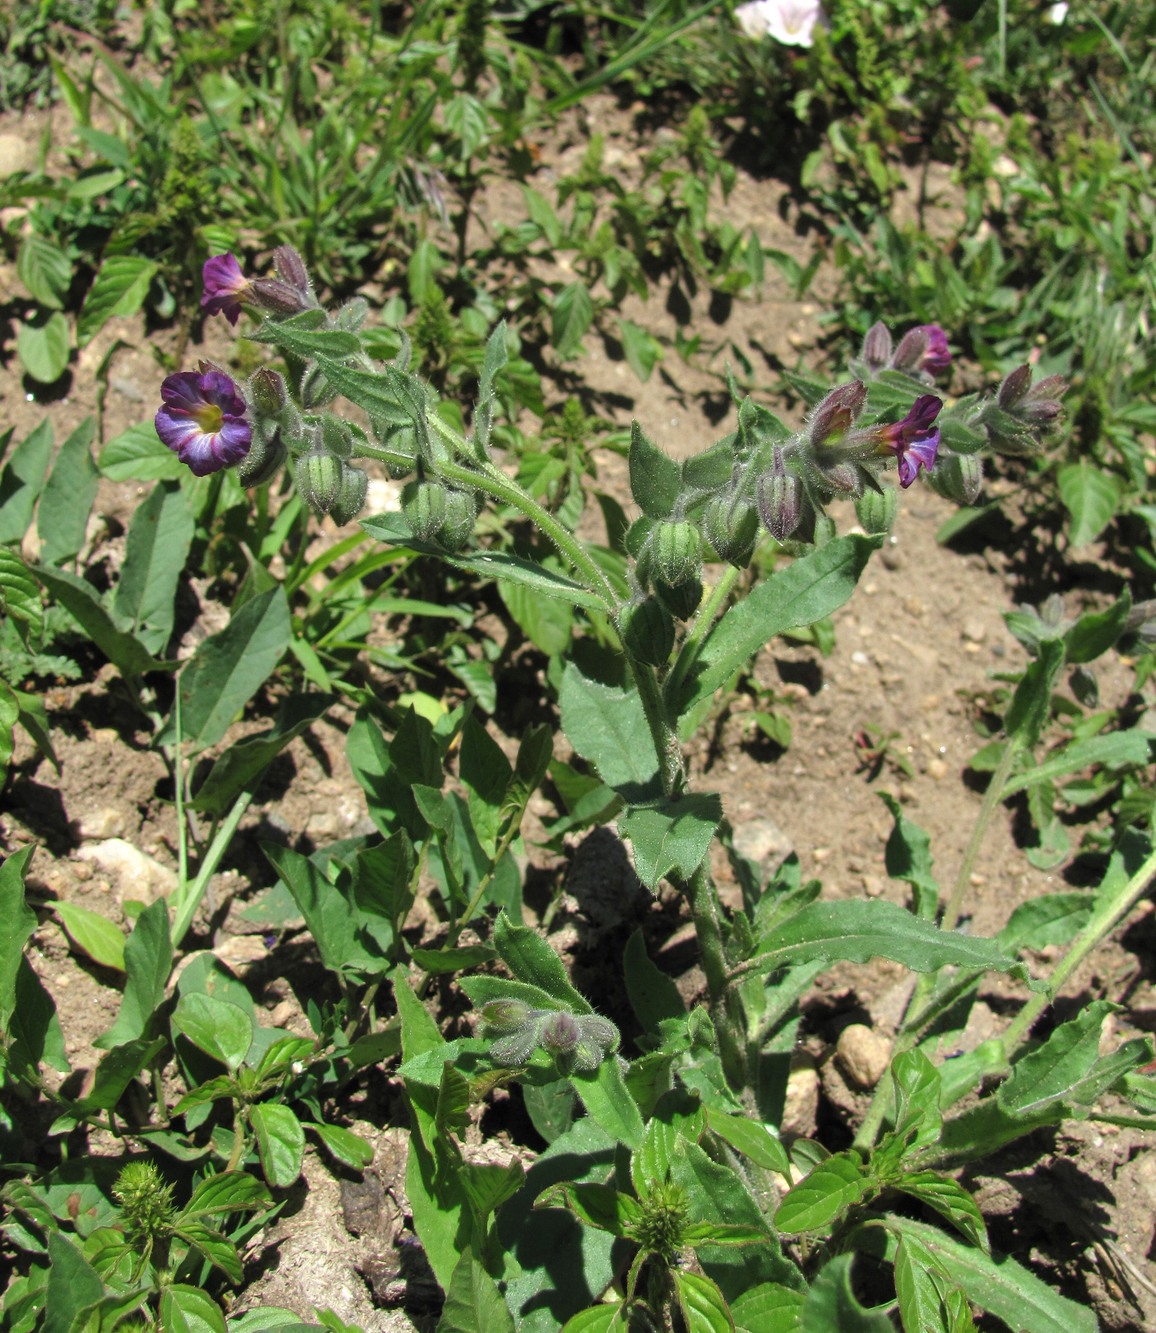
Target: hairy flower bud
[424,506]
[352,314]
[265,458]
[877,347]
[318,477]
[291,269]
[1014,387]
[676,552]
[457,526]
[836,414]
[779,495]
[680,599]
[647,631]
[560,1034]
[958,477]
[923,352]
[278,298]
[505,1015]
[876,510]
[336,437]
[350,497]
[267,392]
[732,528]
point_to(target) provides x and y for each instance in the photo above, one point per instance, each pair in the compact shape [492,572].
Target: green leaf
[950,1200]
[751,1139]
[908,858]
[280,1141]
[300,336]
[217,1027]
[159,538]
[856,931]
[531,959]
[473,1302]
[1095,632]
[655,478]
[17,922]
[331,917]
[66,502]
[673,837]
[550,1107]
[44,270]
[492,365]
[20,600]
[1000,1286]
[546,621]
[73,1285]
[137,454]
[831,1304]
[1090,496]
[244,762]
[1031,704]
[596,1205]
[44,348]
[442,961]
[96,935]
[148,961]
[221,1253]
[607,726]
[228,1192]
[643,350]
[917,1281]
[702,1304]
[602,1318]
[115,1072]
[33,1030]
[1117,749]
[769,1308]
[825,1193]
[801,594]
[573,315]
[21,482]
[653,995]
[190,1310]
[486,774]
[82,602]
[229,668]
[350,1149]
[608,1102]
[119,289]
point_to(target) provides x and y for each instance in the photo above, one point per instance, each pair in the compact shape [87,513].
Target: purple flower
[203,421]
[937,357]
[915,440]
[226,287]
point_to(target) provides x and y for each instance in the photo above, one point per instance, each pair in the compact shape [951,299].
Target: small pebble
[937,769]
[974,631]
[863,1055]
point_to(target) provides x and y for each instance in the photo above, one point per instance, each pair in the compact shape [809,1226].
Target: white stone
[863,1055]
[133,874]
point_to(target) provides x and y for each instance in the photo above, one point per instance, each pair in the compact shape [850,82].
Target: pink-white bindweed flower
[789,22]
[203,420]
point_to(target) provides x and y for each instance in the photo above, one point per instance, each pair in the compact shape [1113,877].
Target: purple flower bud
[1041,405]
[560,1033]
[226,287]
[1014,387]
[202,420]
[836,414]
[923,351]
[779,497]
[290,268]
[279,298]
[877,347]
[914,440]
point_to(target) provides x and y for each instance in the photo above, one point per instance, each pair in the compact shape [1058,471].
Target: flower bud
[506,1015]
[278,298]
[291,269]
[560,1034]
[836,414]
[458,524]
[318,477]
[677,552]
[1014,387]
[876,510]
[352,314]
[958,477]
[316,390]
[267,392]
[877,347]
[265,458]
[647,631]
[923,352]
[517,1048]
[424,506]
[1041,405]
[350,497]
[842,477]
[336,437]
[680,599]
[779,494]
[732,528]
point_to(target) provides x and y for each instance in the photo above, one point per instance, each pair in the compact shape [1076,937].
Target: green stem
[189,896]
[991,799]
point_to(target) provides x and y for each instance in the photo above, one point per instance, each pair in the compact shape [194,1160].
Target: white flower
[791,22]
[1057,13]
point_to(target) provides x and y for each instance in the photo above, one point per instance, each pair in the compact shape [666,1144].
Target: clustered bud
[575,1042]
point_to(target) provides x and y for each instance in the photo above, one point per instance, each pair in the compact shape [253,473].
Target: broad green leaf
[770,1308]
[21,482]
[550,1107]
[9,716]
[1090,495]
[227,1192]
[20,598]
[573,315]
[1095,632]
[596,1205]
[82,602]
[1052,918]
[643,350]
[280,1141]
[830,1304]
[702,1304]
[33,1030]
[115,1072]
[1000,1286]
[228,669]
[148,961]
[221,1253]
[332,919]
[190,1310]
[917,1280]
[532,960]
[96,935]
[494,361]
[1031,704]
[73,1285]
[300,337]
[950,1200]
[159,538]
[655,478]
[751,1139]
[350,1149]
[608,1102]
[546,621]
[653,995]
[119,289]
[486,774]
[855,931]
[44,348]
[908,858]
[604,1318]
[473,1302]
[421,271]
[17,922]
[799,595]
[607,726]
[1116,749]
[245,761]
[66,502]
[671,838]
[467,118]
[218,1027]
[137,454]
[44,270]
[442,961]
[825,1193]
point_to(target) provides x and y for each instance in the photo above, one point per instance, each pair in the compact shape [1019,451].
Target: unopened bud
[352,314]
[842,477]
[923,351]
[424,506]
[517,1048]
[680,599]
[676,552]
[318,477]
[316,391]
[267,392]
[876,510]
[278,298]
[458,524]
[336,437]
[647,631]
[264,460]
[732,528]
[779,495]
[836,414]
[291,269]
[877,347]
[1014,387]
[350,497]
[1041,405]
[500,1016]
[560,1033]
[958,477]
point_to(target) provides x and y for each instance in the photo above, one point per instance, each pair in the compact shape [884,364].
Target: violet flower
[923,352]
[226,287]
[202,420]
[914,440]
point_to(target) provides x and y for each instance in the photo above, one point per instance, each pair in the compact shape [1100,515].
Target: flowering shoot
[203,420]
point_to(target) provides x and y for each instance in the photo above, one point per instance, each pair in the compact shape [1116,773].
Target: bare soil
[913,656]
